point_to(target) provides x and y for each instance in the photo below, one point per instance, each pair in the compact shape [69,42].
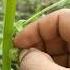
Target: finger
[25,52]
[30,36]
[46,28]
[64,24]
[37,60]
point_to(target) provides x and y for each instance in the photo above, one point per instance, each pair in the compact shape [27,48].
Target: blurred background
[24,10]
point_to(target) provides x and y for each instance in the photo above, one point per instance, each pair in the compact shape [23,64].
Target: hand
[33,59]
[50,34]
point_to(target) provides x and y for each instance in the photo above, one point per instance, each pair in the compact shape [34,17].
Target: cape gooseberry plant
[11,27]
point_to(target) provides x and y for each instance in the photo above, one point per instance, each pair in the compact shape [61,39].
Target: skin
[37,60]
[51,35]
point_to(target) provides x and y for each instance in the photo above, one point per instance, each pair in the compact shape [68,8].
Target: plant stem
[19,26]
[10,7]
[44,10]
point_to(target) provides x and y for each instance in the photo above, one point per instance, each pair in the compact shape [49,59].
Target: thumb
[37,60]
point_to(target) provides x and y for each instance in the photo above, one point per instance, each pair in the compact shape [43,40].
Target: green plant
[7,33]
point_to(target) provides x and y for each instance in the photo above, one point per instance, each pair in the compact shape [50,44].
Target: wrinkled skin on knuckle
[50,34]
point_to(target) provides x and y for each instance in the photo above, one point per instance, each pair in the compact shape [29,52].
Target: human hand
[50,34]
[34,59]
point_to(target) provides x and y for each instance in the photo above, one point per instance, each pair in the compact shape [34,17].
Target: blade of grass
[7,32]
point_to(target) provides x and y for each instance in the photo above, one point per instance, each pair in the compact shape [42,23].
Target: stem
[7,33]
[44,10]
